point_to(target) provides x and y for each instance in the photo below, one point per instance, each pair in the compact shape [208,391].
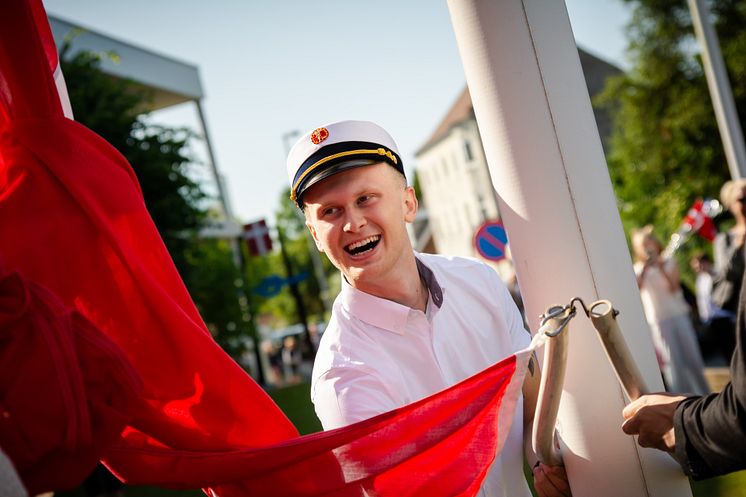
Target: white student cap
[335,147]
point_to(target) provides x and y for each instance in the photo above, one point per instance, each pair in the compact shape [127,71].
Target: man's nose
[355,220]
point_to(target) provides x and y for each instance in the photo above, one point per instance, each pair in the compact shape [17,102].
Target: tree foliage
[665,148]
[282,306]
[160,157]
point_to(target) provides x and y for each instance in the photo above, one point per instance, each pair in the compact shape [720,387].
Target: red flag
[74,222]
[84,391]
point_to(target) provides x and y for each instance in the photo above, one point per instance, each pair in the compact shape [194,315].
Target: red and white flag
[50,51]
[257,238]
[75,223]
[699,220]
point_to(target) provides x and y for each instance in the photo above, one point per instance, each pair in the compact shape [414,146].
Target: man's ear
[410,204]
[311,228]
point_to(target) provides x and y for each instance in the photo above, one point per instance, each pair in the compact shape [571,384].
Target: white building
[454,179]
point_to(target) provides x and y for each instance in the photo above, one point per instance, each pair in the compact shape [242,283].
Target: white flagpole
[558,206]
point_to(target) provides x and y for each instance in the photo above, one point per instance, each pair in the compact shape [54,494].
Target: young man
[405,325]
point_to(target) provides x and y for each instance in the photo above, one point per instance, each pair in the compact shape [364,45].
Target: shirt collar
[384,313]
[427,275]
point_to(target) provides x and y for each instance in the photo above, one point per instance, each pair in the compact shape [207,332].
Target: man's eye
[329,211]
[363,198]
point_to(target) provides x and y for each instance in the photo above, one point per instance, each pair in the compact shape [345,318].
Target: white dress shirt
[377,355]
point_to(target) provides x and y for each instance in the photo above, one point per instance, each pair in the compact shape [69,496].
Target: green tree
[292,223]
[113,108]
[160,157]
[215,284]
[665,148]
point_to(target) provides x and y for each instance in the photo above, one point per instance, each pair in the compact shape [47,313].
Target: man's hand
[551,481]
[651,418]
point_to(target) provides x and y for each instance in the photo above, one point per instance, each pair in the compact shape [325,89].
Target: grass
[732,485]
[295,402]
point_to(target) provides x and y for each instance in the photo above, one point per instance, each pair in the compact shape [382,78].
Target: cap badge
[319,135]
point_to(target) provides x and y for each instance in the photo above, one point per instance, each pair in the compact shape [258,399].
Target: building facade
[454,178]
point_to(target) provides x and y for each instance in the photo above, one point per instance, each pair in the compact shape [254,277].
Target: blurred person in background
[702,267]
[667,314]
[715,324]
[291,360]
[729,267]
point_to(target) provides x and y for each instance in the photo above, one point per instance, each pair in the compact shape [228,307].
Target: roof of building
[171,81]
[595,71]
[460,111]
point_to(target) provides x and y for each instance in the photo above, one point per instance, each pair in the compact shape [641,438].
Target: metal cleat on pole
[555,327]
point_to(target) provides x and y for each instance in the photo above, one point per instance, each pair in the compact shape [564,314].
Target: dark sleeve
[711,430]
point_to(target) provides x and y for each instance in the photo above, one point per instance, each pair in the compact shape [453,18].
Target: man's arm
[705,434]
[343,396]
[711,431]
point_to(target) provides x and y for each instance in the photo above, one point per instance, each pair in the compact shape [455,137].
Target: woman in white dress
[667,314]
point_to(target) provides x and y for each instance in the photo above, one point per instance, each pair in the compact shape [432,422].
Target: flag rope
[553,333]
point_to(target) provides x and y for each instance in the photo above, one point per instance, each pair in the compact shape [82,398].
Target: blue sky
[271,67]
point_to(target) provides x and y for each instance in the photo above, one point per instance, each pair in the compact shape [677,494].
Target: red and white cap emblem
[319,135]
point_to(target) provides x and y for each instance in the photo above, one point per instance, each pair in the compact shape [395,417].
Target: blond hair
[731,191]
[639,237]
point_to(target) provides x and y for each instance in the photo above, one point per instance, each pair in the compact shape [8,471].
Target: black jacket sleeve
[711,430]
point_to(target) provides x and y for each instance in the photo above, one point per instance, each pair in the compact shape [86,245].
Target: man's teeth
[363,245]
[359,244]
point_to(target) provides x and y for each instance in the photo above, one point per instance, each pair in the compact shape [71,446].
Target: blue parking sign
[490,240]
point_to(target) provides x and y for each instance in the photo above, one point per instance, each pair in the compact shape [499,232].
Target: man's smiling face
[358,218]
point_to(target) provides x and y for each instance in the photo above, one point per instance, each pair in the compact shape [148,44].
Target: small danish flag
[257,237]
[698,220]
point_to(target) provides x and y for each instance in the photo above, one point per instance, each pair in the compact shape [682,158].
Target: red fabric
[67,391]
[439,446]
[697,220]
[45,34]
[74,221]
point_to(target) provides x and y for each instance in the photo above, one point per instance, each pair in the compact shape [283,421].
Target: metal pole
[247,314]
[720,90]
[557,203]
[244,297]
[222,196]
[300,306]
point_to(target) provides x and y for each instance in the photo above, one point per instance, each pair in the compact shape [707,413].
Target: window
[467,150]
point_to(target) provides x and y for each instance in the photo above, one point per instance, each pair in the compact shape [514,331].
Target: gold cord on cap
[380,151]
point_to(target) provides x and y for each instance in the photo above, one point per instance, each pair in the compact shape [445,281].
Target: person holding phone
[667,314]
